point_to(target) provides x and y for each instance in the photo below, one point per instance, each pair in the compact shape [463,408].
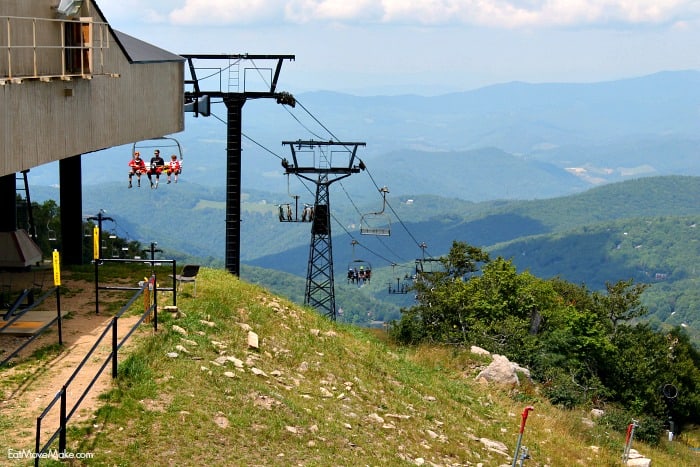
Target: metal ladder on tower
[234,75]
[25,203]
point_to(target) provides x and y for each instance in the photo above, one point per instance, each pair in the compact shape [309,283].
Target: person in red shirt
[174,167]
[136,167]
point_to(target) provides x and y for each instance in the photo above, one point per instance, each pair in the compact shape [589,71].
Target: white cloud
[491,13]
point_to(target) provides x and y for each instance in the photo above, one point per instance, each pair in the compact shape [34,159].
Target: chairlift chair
[401,287]
[359,271]
[188,275]
[165,144]
[288,214]
[377,223]
[51,233]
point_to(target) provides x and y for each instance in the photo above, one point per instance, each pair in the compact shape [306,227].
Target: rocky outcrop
[502,371]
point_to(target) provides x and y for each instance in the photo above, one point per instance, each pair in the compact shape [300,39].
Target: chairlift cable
[301,105]
[366,170]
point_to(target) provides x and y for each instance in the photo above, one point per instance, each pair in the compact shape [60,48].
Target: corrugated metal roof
[138,51]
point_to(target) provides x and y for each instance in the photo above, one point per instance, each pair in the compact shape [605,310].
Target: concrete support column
[71,201]
[8,201]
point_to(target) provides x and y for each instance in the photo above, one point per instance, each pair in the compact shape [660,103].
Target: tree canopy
[583,346]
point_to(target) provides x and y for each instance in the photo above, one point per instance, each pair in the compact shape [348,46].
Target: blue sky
[427,46]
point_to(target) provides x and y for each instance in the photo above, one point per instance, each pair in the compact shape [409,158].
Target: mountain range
[520,169]
[558,138]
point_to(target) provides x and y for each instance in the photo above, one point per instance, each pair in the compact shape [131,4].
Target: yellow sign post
[96,243]
[56,269]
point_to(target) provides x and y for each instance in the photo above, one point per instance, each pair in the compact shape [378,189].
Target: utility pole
[322,162]
[199,91]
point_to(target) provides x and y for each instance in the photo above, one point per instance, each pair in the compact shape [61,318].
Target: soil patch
[29,384]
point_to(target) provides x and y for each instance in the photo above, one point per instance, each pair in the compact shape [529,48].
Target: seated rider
[156,167]
[136,167]
[174,167]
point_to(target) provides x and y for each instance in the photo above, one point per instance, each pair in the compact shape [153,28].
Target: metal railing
[16,316]
[45,48]
[102,262]
[62,396]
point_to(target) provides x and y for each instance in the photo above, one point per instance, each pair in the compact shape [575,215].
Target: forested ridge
[641,229]
[585,347]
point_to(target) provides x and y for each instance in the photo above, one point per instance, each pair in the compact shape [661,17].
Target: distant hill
[601,132]
[634,229]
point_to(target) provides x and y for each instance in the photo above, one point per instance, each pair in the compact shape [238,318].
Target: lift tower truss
[322,162]
[233,79]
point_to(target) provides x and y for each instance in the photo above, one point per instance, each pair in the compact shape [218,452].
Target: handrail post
[155,303]
[114,346]
[174,283]
[37,446]
[63,421]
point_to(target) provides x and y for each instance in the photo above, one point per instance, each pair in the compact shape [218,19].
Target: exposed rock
[636,459]
[502,371]
[495,446]
[587,422]
[173,354]
[479,351]
[218,345]
[179,330]
[253,340]
[597,413]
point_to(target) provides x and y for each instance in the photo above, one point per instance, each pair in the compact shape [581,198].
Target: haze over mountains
[511,168]
[507,141]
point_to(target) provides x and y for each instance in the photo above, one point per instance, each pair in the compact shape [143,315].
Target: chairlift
[377,223]
[288,214]
[115,252]
[401,287]
[426,267]
[167,146]
[51,233]
[359,271]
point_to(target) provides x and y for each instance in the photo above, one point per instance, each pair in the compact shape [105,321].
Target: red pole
[526,412]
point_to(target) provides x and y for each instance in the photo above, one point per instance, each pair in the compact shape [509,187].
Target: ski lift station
[72,85]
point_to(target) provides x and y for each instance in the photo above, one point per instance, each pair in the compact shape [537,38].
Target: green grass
[331,394]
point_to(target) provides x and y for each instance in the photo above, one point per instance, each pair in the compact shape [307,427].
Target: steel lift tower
[224,77]
[328,161]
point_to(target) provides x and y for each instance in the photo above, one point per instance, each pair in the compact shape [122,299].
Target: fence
[37,333]
[152,262]
[62,396]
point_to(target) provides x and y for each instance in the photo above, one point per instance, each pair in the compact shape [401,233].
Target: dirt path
[28,387]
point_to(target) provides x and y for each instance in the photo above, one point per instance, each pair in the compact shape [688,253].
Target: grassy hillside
[320,393]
